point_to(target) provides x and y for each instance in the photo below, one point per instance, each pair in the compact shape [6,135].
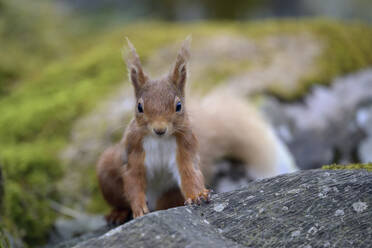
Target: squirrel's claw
[205,195]
[188,202]
[197,199]
[140,212]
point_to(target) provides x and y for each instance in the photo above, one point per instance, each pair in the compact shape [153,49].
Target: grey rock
[313,208]
[364,120]
[326,126]
[74,241]
[66,229]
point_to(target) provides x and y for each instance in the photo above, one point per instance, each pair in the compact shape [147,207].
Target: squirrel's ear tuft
[135,71]
[178,73]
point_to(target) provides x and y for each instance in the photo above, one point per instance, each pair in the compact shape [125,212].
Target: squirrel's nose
[160,131]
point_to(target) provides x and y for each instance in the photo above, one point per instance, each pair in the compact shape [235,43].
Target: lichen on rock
[367,167]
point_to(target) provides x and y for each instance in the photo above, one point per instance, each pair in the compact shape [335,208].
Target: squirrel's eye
[178,106]
[140,109]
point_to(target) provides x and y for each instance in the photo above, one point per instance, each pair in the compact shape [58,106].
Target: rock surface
[314,208]
[364,120]
[330,125]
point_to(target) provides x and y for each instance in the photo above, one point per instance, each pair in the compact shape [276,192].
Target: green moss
[34,125]
[347,48]
[30,169]
[216,75]
[30,44]
[367,167]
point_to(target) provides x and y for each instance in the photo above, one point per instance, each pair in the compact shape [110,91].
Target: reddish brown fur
[121,171]
[188,165]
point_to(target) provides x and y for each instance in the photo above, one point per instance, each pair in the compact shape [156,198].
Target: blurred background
[64,94]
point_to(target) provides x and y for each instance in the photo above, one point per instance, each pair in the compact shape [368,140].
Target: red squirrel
[158,154]
[158,164]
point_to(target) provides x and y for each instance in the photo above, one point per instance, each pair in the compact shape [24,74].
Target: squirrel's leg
[118,216]
[134,178]
[170,199]
[192,180]
[111,184]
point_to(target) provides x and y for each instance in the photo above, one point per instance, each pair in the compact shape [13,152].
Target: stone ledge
[314,208]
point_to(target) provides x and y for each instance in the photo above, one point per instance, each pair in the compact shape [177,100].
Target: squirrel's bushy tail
[228,126]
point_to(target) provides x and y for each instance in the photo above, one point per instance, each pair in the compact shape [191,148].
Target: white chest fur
[161,166]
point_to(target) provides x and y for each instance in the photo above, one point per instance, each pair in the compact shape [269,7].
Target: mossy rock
[66,78]
[367,167]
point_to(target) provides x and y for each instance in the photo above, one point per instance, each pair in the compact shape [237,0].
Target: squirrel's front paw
[140,211]
[197,198]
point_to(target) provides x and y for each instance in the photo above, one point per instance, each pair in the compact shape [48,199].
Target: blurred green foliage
[33,33]
[38,106]
[55,68]
[28,39]
[347,48]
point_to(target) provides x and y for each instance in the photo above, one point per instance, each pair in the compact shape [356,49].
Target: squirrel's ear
[178,73]
[135,71]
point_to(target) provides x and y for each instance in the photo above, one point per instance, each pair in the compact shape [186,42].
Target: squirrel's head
[160,104]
